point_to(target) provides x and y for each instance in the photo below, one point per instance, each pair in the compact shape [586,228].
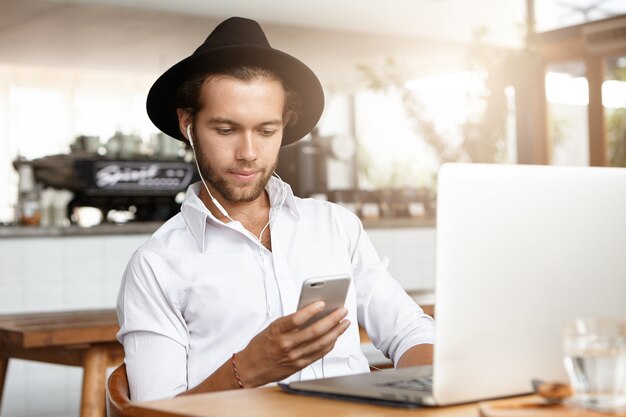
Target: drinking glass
[595,360]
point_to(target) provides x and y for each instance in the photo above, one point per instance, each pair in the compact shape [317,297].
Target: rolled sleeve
[152,329]
[392,319]
[156,366]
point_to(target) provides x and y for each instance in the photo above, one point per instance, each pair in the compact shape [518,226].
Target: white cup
[595,360]
[87,216]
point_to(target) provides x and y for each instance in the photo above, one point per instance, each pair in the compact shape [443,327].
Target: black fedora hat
[238,41]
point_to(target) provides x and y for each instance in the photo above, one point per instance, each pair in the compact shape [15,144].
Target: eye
[224,130]
[268,132]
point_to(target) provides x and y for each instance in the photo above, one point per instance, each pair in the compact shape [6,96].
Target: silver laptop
[520,251]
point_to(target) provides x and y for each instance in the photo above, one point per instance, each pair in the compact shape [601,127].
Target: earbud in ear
[189,134]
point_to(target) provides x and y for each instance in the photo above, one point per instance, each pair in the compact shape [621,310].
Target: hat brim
[161,102]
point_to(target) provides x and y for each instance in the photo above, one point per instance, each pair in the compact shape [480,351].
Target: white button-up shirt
[199,290]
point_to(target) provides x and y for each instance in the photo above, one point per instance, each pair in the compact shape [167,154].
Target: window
[42,110]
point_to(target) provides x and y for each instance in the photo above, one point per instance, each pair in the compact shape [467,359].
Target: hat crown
[235,31]
[237,42]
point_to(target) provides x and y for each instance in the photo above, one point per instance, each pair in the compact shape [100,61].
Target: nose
[247,147]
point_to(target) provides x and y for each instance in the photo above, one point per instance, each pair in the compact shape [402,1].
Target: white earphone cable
[217,203]
[213,199]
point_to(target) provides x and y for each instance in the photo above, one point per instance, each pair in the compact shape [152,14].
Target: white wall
[411,253]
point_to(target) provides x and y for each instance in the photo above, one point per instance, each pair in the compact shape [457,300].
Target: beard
[235,193]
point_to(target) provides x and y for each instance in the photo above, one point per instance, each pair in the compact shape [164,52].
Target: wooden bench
[75,338]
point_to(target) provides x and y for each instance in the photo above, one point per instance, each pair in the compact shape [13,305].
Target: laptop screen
[521,250]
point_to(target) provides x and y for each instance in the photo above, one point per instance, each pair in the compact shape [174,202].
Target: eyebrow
[222,120]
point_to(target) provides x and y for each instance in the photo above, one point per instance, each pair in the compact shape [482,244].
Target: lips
[244,175]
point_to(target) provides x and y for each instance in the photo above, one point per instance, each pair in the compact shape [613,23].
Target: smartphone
[331,289]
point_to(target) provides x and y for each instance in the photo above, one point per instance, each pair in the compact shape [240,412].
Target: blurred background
[408,87]
[410,84]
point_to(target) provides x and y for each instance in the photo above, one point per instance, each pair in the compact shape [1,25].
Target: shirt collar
[197,215]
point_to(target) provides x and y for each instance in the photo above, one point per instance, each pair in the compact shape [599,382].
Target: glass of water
[595,360]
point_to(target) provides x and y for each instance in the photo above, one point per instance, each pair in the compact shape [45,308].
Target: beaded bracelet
[234,362]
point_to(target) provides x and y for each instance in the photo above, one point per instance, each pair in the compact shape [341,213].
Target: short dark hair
[188,93]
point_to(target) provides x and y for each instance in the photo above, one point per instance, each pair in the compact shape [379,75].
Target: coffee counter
[103,229]
[150,227]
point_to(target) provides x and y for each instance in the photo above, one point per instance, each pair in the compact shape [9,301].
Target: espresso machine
[125,174]
[147,186]
[318,165]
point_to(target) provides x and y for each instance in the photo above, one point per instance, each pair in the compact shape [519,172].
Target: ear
[184,119]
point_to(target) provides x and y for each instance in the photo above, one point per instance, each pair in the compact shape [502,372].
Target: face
[237,135]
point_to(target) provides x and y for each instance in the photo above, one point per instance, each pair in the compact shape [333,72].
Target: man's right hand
[281,349]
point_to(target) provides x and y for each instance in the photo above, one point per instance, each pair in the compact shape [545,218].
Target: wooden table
[272,402]
[75,338]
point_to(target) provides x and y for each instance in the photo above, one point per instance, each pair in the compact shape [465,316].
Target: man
[209,301]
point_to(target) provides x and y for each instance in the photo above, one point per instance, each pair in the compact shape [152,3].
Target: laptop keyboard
[424,383]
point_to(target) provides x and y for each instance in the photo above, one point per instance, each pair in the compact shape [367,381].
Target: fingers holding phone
[320,331]
[295,341]
[320,337]
[308,327]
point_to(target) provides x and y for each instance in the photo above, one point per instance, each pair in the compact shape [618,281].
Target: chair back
[118,394]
